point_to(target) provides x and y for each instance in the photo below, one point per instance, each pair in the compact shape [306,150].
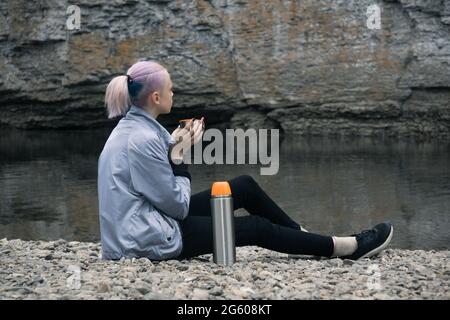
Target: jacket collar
[140,113]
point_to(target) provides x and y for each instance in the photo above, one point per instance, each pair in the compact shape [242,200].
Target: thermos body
[223,229]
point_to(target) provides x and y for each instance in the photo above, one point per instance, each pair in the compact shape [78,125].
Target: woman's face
[166,96]
[161,101]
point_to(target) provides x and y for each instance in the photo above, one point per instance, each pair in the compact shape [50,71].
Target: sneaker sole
[381,247]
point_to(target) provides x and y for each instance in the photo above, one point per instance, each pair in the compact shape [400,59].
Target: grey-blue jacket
[140,200]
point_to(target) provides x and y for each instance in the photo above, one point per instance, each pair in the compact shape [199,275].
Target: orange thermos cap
[220,188]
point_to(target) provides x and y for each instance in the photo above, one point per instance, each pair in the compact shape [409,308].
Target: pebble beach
[75,270]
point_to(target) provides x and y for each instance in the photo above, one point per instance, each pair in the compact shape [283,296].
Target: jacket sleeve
[152,176]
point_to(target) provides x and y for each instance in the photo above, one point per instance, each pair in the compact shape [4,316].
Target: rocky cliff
[305,66]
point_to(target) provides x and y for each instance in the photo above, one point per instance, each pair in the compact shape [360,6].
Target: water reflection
[48,183]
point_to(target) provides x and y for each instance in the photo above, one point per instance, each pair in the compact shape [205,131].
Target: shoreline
[74,270]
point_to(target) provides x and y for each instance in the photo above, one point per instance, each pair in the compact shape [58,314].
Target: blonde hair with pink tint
[141,79]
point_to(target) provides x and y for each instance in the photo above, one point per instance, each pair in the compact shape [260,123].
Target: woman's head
[146,84]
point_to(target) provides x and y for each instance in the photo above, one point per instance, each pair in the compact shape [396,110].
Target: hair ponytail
[142,78]
[117,98]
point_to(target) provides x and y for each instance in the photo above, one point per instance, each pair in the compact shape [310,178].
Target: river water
[338,186]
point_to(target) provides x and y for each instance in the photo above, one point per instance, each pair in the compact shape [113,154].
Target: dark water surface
[48,185]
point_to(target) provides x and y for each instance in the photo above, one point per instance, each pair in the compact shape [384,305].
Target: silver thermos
[223,223]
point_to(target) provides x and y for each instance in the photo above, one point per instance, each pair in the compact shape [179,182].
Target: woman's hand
[186,137]
[197,131]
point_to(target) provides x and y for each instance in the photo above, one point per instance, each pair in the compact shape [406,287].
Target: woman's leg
[246,194]
[253,230]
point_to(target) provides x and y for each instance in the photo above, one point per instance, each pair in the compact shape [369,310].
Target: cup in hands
[188,133]
[188,123]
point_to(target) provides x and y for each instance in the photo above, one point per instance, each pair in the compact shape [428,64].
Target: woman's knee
[246,180]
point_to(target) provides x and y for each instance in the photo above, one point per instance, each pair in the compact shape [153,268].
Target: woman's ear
[154,98]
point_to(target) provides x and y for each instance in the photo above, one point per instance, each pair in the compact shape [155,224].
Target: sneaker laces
[365,232]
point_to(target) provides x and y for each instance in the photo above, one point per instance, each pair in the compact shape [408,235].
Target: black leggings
[267,226]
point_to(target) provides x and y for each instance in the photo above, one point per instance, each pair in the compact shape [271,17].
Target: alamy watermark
[374,278]
[74,280]
[373,14]
[73,21]
[232,149]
